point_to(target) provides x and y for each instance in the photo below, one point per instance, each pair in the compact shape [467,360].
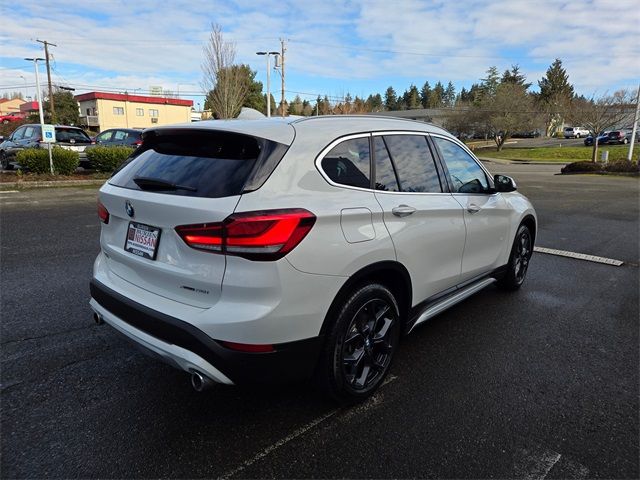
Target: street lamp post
[268,55]
[39,98]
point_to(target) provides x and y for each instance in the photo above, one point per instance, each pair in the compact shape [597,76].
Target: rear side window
[386,180]
[199,163]
[414,163]
[348,163]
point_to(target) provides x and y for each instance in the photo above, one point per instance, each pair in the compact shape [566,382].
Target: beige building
[100,111]
[10,106]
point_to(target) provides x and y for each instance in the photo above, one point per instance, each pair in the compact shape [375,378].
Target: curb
[49,184]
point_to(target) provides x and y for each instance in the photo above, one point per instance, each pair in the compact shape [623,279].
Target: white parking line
[9,191]
[535,463]
[375,400]
[579,256]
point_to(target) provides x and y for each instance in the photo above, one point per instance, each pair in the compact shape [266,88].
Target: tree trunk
[594,153]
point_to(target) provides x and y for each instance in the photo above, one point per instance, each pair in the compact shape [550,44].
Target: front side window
[348,163]
[414,163]
[465,173]
[18,134]
[118,110]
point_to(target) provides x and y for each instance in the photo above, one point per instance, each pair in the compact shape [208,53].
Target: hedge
[618,166]
[107,159]
[36,160]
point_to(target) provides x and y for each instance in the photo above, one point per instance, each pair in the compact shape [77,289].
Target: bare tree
[223,82]
[598,115]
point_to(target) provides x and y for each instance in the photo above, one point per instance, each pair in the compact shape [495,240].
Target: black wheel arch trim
[371,272]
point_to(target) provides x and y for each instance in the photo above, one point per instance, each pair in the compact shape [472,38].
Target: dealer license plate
[142,240]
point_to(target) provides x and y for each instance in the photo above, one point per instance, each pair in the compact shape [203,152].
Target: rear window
[199,163]
[71,135]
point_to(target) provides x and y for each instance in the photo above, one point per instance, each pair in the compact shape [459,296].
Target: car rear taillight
[137,143]
[264,235]
[103,213]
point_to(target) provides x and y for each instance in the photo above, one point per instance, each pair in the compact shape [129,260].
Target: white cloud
[334,45]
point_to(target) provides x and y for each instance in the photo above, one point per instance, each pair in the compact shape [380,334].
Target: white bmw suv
[276,250]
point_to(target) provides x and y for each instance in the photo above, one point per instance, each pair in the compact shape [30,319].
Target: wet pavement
[541,383]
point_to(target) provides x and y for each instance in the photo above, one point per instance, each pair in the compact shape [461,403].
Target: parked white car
[275,250]
[575,132]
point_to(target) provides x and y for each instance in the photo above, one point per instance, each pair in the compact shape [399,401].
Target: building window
[118,110]
[153,113]
[139,112]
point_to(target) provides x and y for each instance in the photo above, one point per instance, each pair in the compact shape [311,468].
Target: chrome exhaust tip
[98,319]
[200,382]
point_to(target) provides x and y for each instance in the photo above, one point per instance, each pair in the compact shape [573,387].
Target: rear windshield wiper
[152,184]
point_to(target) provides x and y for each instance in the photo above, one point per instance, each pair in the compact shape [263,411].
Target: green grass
[554,154]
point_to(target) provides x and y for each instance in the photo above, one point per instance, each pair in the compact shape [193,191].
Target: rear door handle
[403,210]
[473,208]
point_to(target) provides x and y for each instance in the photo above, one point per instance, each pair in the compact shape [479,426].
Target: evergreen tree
[515,77]
[67,108]
[489,84]
[412,98]
[437,95]
[450,95]
[425,95]
[390,99]
[556,94]
[374,103]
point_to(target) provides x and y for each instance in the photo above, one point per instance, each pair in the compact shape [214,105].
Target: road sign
[48,133]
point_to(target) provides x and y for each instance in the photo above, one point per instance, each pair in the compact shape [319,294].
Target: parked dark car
[30,136]
[120,136]
[621,136]
[603,139]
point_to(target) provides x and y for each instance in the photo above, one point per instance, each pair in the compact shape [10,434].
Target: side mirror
[504,183]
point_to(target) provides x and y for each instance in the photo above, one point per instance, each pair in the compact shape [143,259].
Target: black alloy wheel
[367,348]
[521,252]
[360,345]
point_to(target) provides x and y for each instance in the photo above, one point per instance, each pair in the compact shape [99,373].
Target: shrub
[36,160]
[583,166]
[107,159]
[621,166]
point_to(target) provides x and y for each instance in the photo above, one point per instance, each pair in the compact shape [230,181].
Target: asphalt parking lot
[542,383]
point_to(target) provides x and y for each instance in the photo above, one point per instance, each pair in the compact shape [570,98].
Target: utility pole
[283,49]
[635,126]
[46,56]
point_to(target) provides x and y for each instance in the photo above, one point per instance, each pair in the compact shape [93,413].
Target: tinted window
[207,164]
[414,163]
[348,163]
[18,134]
[466,175]
[385,175]
[30,132]
[72,135]
[104,136]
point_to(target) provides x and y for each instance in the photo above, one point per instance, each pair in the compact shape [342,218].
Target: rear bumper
[188,348]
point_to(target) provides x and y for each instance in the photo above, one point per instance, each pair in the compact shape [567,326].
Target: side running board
[441,305]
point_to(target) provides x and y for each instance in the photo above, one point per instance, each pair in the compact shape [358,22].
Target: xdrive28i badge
[129,208]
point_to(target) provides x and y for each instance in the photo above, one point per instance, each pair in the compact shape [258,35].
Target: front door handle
[473,208]
[403,210]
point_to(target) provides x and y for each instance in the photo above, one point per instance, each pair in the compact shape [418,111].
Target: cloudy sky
[333,47]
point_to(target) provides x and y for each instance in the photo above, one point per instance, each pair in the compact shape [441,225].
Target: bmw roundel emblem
[129,208]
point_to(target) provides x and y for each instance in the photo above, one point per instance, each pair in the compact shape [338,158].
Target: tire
[4,161]
[625,141]
[577,135]
[360,345]
[521,252]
